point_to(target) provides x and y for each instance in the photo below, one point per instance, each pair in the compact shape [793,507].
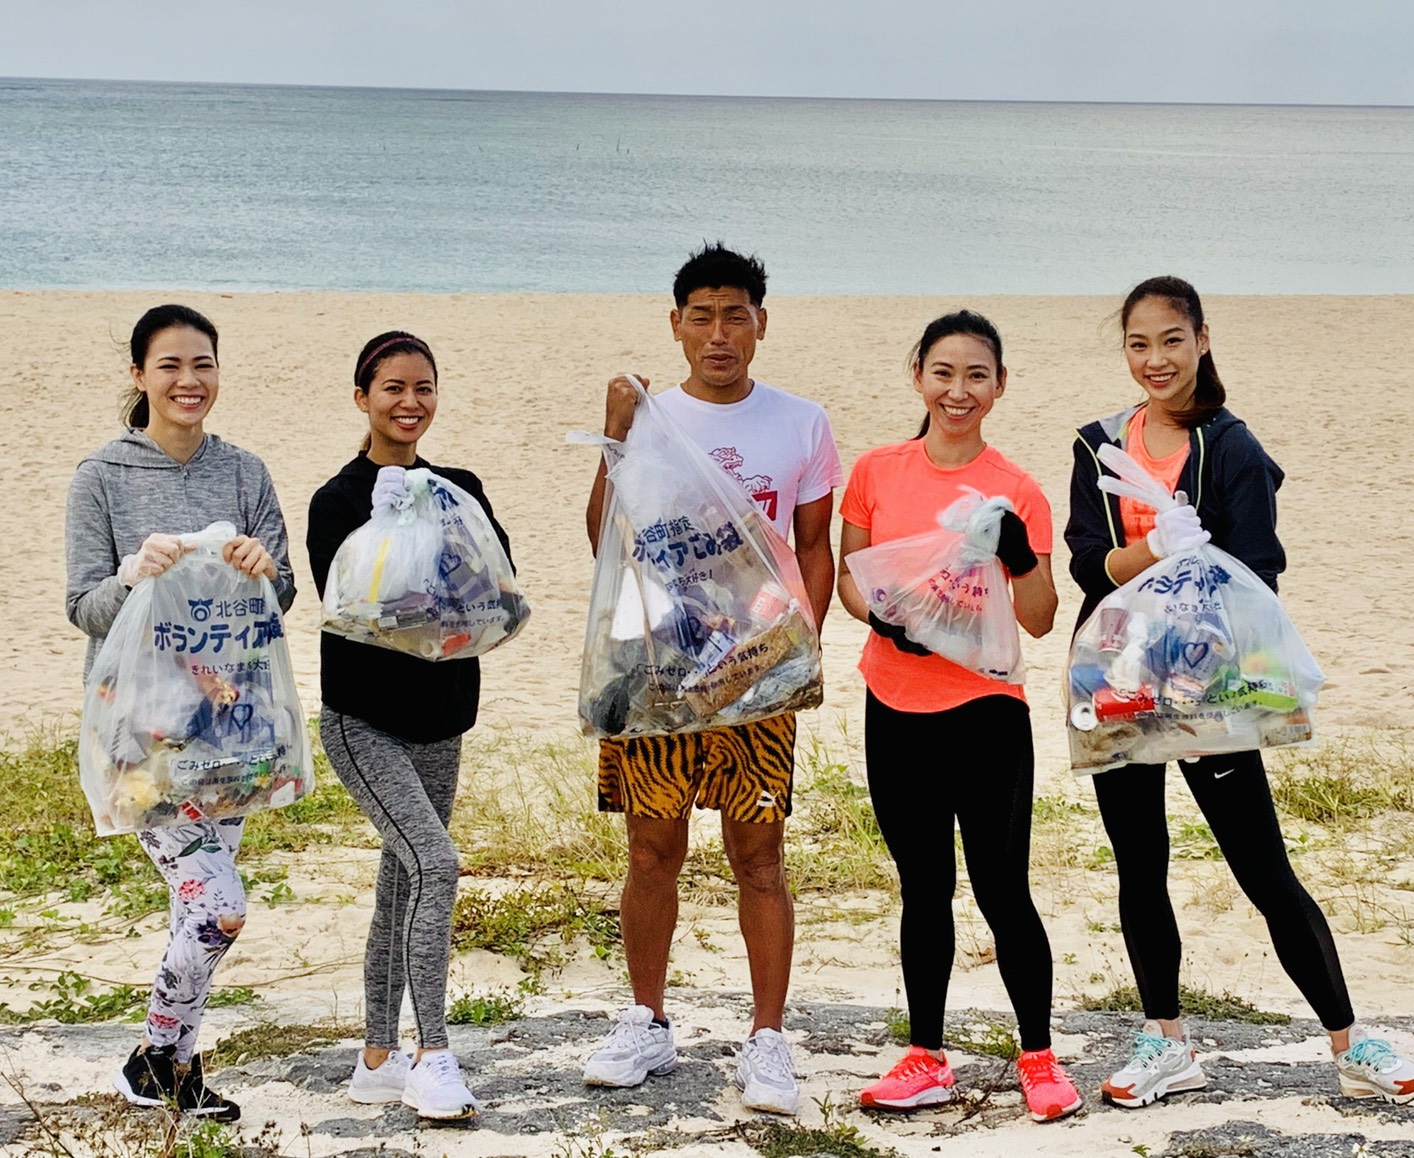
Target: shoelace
[1374,1052]
[774,1060]
[1147,1049]
[1035,1071]
[630,1033]
[916,1064]
[444,1066]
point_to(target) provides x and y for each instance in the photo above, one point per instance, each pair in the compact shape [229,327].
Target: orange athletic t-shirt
[1136,517]
[897,491]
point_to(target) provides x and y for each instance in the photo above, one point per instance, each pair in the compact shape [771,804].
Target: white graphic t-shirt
[778,446]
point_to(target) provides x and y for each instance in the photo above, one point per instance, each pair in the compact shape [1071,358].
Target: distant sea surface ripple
[127,185]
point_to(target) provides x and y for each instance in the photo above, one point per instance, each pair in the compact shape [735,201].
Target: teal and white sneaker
[1160,1066]
[1371,1069]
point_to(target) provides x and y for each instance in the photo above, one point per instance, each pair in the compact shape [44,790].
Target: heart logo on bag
[1194,653]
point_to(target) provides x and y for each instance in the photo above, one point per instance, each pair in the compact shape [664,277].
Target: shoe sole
[222,1113]
[1184,1083]
[764,1106]
[1357,1089]
[618,1084]
[441,1115]
[120,1083]
[937,1097]
[370,1098]
[1058,1114]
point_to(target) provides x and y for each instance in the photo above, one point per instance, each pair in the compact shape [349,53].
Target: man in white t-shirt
[783,452]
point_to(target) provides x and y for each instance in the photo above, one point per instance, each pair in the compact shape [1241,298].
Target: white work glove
[157,553]
[390,488]
[1177,530]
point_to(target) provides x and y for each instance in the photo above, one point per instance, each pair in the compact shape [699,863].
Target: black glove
[894,632]
[1013,546]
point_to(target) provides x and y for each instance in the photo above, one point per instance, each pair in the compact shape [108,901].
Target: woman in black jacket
[1185,437]
[392,725]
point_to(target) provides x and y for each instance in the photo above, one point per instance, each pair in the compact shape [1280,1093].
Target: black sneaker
[149,1076]
[195,1097]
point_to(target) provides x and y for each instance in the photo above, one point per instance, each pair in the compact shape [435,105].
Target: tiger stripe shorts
[744,772]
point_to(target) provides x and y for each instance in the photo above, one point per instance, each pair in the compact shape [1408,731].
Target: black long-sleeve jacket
[1230,480]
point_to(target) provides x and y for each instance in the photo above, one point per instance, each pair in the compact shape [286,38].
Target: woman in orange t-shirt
[941,741]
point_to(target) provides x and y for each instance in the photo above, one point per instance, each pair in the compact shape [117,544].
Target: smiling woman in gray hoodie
[129,501]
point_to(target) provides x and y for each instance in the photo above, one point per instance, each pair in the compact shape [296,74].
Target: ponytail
[137,414]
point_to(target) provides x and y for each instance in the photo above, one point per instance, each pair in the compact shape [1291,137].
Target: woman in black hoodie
[1184,436]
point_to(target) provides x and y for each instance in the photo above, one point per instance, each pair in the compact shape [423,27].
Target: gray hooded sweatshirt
[131,488]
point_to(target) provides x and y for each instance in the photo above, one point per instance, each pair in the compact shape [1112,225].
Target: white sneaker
[1159,1066]
[765,1074]
[384,1084]
[435,1088]
[1371,1069]
[636,1048]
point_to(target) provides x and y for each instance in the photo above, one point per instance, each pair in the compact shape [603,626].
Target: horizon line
[701,96]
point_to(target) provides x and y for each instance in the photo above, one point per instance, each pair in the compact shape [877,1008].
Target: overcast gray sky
[1277,51]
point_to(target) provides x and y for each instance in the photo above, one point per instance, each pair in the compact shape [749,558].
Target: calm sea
[112,185]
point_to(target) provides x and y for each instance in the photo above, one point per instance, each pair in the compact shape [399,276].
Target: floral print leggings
[198,862]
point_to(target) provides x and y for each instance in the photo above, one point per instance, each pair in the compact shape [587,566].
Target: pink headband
[403,338]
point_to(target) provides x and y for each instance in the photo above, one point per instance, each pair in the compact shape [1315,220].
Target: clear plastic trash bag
[947,590]
[698,616]
[190,712]
[1193,657]
[428,577]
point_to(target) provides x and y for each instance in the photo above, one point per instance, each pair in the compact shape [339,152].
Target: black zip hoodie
[411,698]
[1230,480]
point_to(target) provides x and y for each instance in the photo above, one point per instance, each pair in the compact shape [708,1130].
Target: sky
[1219,51]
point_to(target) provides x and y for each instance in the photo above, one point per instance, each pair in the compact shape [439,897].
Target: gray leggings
[406,790]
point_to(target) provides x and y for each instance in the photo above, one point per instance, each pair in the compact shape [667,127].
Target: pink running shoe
[1049,1093]
[919,1079]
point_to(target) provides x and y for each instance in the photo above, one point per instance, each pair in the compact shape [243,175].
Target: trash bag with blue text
[427,577]
[947,590]
[1194,656]
[190,711]
[698,616]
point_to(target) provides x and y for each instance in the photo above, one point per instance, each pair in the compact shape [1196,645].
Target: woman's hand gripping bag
[427,577]
[1193,657]
[190,712]
[947,590]
[698,616]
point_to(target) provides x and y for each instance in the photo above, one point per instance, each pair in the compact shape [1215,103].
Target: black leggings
[975,763]
[1236,800]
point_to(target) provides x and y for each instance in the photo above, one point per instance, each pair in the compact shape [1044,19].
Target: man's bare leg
[765,913]
[648,912]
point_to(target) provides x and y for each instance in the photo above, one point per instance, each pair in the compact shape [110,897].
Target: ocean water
[117,185]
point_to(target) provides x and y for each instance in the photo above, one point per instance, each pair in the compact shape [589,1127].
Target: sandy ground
[1322,381]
